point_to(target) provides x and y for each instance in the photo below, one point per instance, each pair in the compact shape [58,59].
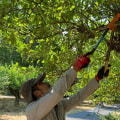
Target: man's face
[42,89]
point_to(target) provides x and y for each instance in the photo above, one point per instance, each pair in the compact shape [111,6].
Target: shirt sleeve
[38,109]
[75,100]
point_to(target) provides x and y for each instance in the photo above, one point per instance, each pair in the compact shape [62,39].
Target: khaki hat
[26,89]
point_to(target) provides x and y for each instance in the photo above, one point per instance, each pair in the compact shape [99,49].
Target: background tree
[9,55]
[12,78]
[54,33]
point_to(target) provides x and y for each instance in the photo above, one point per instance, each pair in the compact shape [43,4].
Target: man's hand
[82,62]
[100,75]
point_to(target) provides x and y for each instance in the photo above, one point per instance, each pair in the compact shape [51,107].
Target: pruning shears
[110,27]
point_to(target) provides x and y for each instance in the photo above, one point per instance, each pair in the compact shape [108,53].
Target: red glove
[83,61]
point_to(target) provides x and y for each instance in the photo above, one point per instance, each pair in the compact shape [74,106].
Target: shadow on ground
[93,114]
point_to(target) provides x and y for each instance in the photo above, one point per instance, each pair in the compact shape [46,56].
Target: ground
[10,112]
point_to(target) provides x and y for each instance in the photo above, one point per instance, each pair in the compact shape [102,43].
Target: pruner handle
[89,54]
[106,66]
[115,19]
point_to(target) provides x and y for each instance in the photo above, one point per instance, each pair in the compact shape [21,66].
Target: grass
[110,117]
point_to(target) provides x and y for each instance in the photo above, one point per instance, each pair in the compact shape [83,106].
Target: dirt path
[12,116]
[81,108]
[10,112]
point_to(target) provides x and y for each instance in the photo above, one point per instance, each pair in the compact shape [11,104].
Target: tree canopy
[53,33]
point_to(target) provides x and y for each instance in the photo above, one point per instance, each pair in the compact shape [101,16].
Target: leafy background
[49,35]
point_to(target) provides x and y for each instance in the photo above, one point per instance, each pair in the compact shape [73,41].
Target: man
[47,103]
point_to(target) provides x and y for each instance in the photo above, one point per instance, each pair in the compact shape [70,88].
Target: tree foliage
[53,33]
[13,76]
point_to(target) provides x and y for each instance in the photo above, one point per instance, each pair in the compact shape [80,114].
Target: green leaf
[24,68]
[71,8]
[59,8]
[96,3]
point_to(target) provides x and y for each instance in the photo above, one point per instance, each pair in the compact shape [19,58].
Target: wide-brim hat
[26,89]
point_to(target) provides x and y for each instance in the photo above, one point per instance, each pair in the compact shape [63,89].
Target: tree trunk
[16,94]
[17,99]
